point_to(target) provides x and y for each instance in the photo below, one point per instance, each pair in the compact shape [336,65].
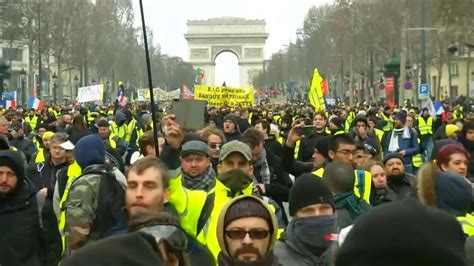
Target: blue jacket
[409,145]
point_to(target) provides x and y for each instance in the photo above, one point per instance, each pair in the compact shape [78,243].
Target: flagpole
[150,83]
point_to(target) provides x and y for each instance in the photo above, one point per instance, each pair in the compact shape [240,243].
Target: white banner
[90,93]
[158,94]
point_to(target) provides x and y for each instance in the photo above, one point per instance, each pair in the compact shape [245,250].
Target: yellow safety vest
[379,134]
[121,131]
[73,172]
[32,121]
[277,119]
[250,118]
[362,184]
[339,132]
[40,156]
[425,127]
[467,224]
[389,126]
[130,128]
[110,112]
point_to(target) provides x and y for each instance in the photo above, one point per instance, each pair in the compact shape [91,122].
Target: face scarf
[312,236]
[236,180]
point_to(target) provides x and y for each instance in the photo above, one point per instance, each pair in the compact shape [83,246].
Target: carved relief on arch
[216,50]
[199,53]
[253,53]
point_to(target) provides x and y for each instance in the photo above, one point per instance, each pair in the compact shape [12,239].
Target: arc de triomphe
[245,38]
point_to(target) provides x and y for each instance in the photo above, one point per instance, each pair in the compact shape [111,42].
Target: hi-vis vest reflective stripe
[362,184]
[250,118]
[389,125]
[416,159]
[339,132]
[37,143]
[425,127]
[467,224]
[297,149]
[280,139]
[40,156]
[73,172]
[32,121]
[112,142]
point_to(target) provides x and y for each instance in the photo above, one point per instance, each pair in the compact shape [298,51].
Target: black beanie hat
[404,233]
[247,207]
[393,155]
[322,146]
[309,189]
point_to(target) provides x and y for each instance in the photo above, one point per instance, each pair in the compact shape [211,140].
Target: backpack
[110,218]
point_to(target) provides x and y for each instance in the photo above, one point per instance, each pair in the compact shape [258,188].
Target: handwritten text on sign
[217,96]
[90,93]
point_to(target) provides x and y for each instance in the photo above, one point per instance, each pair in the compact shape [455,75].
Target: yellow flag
[315,93]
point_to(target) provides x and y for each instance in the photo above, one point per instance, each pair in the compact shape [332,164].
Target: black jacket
[27,237]
[296,168]
[307,145]
[43,175]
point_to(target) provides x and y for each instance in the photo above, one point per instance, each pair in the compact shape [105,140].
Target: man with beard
[199,209]
[196,166]
[231,127]
[308,239]
[246,231]
[401,140]
[306,145]
[28,228]
[402,183]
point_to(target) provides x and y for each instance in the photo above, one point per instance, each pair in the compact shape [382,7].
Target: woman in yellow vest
[443,184]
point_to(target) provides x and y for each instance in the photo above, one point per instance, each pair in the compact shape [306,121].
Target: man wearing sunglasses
[246,231]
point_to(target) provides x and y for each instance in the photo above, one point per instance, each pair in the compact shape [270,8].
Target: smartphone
[189,114]
[306,130]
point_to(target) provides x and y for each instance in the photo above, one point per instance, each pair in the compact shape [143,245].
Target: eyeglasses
[253,233]
[215,145]
[173,235]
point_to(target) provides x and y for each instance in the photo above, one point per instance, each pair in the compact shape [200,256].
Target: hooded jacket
[450,193]
[23,240]
[224,257]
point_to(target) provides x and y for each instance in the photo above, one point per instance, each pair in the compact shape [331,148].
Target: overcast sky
[168,19]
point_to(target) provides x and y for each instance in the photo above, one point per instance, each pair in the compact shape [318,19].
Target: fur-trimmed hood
[443,190]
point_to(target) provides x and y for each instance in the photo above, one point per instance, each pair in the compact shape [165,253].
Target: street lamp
[55,84]
[76,84]
[23,87]
[452,49]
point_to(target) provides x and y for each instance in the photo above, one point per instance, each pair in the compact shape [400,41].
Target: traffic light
[38,90]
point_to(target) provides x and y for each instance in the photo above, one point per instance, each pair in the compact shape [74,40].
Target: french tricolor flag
[7,104]
[35,103]
[120,96]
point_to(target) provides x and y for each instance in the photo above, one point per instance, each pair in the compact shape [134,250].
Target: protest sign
[230,96]
[90,93]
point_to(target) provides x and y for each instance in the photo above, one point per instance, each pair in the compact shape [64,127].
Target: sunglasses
[215,145]
[253,233]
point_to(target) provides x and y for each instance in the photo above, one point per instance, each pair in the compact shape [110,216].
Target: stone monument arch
[244,38]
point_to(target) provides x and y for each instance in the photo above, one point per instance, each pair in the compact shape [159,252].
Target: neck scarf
[205,181]
[353,204]
[312,236]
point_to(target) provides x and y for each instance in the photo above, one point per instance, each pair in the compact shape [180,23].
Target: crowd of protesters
[275,184]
